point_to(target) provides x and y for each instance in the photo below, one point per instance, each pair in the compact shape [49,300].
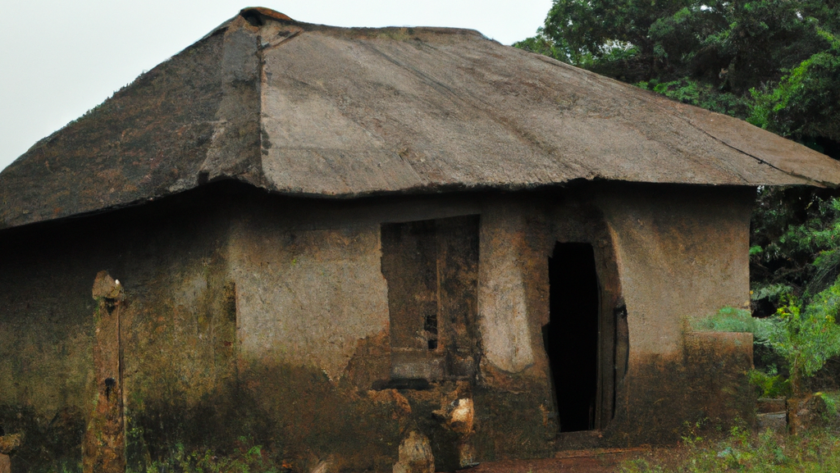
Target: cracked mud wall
[515,390]
[311,296]
[292,256]
[306,296]
[192,282]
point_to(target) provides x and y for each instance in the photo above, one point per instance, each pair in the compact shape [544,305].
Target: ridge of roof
[264,12]
[313,110]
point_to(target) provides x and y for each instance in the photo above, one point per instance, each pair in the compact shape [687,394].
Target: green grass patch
[817,450]
[245,458]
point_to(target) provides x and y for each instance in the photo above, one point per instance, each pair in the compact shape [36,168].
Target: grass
[742,450]
[246,458]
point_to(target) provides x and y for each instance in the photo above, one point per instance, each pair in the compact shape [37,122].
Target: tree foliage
[776,62]
[807,336]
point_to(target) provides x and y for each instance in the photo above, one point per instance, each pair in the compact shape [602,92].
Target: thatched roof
[304,109]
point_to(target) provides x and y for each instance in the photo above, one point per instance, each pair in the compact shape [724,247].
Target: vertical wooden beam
[104,442]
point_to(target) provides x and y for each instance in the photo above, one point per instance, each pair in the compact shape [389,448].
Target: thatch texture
[311,110]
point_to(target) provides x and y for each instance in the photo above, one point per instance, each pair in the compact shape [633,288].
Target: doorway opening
[571,336]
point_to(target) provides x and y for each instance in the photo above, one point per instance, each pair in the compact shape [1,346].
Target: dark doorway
[571,337]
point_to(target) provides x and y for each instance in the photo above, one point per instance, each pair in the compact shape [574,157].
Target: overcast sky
[59,59]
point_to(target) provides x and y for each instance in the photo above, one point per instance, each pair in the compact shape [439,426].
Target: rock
[415,455]
[775,421]
[461,418]
[461,421]
[466,454]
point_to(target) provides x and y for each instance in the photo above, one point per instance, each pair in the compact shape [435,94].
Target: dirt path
[583,461]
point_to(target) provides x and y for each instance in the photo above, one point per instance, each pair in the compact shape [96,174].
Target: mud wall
[681,253]
[312,313]
[314,333]
[46,355]
[307,295]
[262,316]
[515,403]
[664,254]
[167,258]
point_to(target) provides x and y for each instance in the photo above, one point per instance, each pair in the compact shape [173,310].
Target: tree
[751,41]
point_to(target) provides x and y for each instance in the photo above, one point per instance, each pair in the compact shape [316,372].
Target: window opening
[572,335]
[431,267]
[409,262]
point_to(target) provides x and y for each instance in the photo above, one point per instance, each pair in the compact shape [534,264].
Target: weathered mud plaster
[706,382]
[506,333]
[668,243]
[268,315]
[306,296]
[169,262]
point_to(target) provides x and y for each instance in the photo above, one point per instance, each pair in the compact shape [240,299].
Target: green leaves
[772,61]
[804,330]
[807,336]
[817,451]
[806,101]
[699,94]
[805,255]
[770,384]
[731,319]
[244,458]
[541,44]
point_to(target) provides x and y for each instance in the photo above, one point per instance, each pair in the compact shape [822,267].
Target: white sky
[60,58]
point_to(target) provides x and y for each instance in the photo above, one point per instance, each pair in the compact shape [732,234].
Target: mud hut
[328,241]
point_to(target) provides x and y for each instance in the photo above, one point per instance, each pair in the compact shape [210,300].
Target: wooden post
[104,442]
